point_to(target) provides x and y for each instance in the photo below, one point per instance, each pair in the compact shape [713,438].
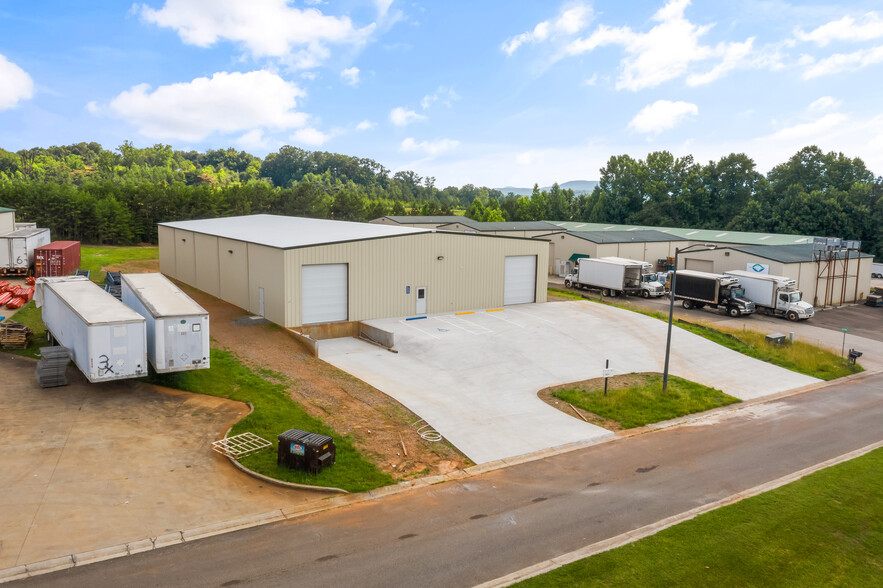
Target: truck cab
[651,286]
[791,304]
[734,301]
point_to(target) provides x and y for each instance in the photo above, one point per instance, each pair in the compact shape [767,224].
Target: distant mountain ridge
[578,187]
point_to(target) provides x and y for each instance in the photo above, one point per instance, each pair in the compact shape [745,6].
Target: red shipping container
[59,258]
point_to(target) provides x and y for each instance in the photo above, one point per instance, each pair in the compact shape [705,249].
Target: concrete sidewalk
[475,377]
[87,466]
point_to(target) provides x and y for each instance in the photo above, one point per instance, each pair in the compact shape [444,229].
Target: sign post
[607,373]
[843,349]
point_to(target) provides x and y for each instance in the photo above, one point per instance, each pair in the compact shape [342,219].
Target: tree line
[84,192]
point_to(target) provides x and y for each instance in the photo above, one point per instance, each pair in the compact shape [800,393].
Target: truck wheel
[792,316]
[734,312]
[605,292]
[688,304]
[568,284]
[645,293]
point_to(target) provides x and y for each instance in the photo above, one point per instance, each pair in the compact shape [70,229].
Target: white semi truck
[776,295]
[614,276]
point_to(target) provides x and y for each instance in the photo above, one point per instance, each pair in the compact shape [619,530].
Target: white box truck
[614,276]
[776,295]
[17,250]
[877,270]
[177,327]
[700,289]
[107,339]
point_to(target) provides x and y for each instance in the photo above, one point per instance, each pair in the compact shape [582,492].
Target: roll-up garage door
[520,280]
[323,293]
[700,265]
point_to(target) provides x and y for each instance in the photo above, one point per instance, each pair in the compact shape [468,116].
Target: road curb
[653,528]
[343,498]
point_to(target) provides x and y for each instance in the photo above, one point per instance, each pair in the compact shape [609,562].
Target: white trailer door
[520,279]
[323,293]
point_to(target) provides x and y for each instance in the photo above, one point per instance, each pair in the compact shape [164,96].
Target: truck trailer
[877,270]
[177,327]
[698,289]
[776,295]
[107,339]
[614,276]
[17,250]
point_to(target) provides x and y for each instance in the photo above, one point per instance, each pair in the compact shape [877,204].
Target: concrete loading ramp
[474,377]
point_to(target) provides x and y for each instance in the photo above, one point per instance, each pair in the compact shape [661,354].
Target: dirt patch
[593,385]
[376,423]
[138,266]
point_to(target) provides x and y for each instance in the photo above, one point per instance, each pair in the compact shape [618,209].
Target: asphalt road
[463,533]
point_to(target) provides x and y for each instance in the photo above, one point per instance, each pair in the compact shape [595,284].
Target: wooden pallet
[14,335]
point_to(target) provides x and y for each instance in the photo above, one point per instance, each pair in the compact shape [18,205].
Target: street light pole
[671,304]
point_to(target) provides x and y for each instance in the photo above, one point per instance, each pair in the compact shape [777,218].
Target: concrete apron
[176,537]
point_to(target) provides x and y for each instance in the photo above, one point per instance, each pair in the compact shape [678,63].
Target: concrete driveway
[88,466]
[475,377]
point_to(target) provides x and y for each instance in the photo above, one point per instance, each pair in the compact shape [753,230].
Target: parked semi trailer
[776,295]
[107,339]
[177,327]
[17,250]
[699,289]
[614,276]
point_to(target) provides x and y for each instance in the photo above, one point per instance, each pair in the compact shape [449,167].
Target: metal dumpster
[302,450]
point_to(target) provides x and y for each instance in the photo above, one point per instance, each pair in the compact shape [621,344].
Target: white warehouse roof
[289,232]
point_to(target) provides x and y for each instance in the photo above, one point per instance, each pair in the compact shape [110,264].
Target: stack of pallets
[113,284]
[14,335]
[51,368]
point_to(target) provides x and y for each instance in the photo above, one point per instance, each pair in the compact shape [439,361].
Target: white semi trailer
[107,339]
[614,276]
[776,295]
[177,327]
[877,270]
[17,250]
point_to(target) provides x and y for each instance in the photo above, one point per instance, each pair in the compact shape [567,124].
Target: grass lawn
[636,400]
[275,412]
[31,316]
[94,257]
[823,530]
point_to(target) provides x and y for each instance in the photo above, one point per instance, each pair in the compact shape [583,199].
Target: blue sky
[496,93]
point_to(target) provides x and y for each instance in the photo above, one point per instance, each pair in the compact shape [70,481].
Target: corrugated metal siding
[233,272]
[207,269]
[185,256]
[7,222]
[266,270]
[469,276]
[167,251]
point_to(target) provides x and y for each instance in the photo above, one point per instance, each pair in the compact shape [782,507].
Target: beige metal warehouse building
[642,245]
[300,271]
[7,220]
[826,279]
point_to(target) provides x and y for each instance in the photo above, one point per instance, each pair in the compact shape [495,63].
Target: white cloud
[310,136]
[809,131]
[430,148]
[569,22]
[666,51]
[662,115]
[254,140]
[16,84]
[309,75]
[366,125]
[350,76]
[265,28]
[382,6]
[591,81]
[823,103]
[869,26]
[840,62]
[224,103]
[444,95]
[401,117]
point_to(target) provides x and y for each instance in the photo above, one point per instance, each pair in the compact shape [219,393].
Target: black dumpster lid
[304,437]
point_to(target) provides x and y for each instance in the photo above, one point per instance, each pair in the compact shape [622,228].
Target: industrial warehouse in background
[829,271]
[302,271]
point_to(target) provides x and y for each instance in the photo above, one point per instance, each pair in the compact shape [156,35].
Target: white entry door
[324,293]
[421,300]
[261,301]
[520,279]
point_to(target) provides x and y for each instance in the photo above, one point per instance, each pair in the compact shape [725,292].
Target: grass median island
[823,530]
[275,412]
[635,400]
